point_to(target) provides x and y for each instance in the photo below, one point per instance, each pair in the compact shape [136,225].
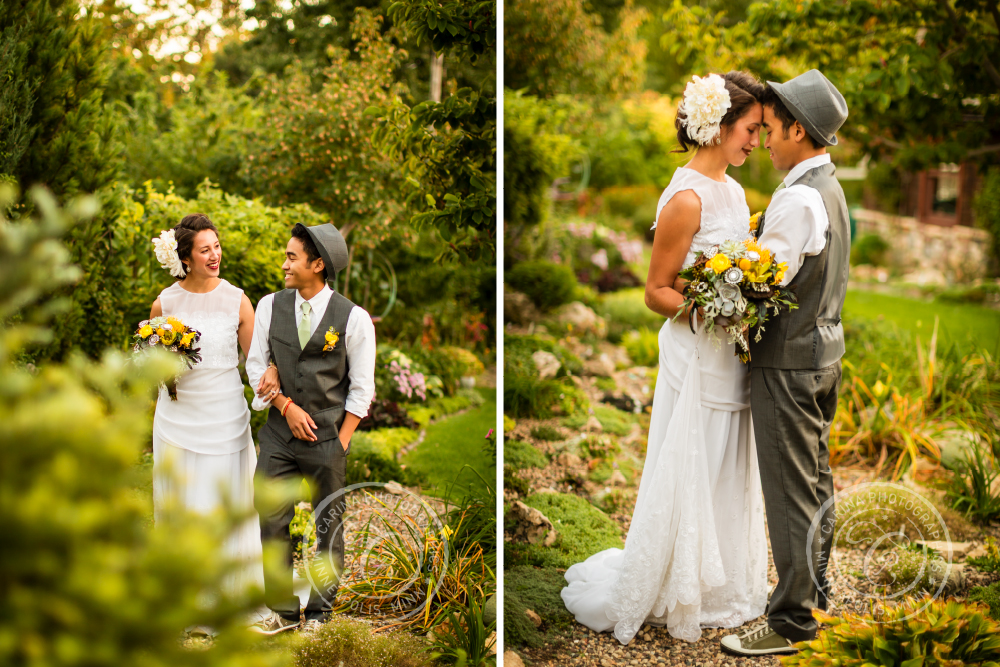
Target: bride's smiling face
[206,255]
[740,138]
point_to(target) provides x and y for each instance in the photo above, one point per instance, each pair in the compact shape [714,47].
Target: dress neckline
[707,178]
[178,286]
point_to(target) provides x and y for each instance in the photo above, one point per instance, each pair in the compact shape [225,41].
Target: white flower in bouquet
[706,101]
[166,253]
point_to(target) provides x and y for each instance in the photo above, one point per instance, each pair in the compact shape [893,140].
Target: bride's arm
[156,310]
[676,226]
[245,331]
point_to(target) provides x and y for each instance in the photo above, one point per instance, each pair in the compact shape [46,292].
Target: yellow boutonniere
[754,221]
[331,337]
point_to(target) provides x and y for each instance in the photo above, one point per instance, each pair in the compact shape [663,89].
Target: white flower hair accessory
[166,253]
[705,103]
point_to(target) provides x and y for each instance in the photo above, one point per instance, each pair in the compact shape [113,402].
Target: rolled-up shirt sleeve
[795,227]
[260,350]
[360,341]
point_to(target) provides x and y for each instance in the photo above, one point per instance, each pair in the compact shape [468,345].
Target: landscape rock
[490,610]
[954,444]
[511,659]
[601,366]
[535,619]
[569,460]
[532,525]
[518,308]
[979,552]
[546,363]
[956,579]
[580,318]
[593,424]
[394,488]
[956,549]
[617,478]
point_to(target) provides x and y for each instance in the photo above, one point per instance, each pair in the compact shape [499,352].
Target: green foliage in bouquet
[916,632]
[85,578]
[547,284]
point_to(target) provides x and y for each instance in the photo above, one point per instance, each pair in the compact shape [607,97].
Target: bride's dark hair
[184,234]
[744,92]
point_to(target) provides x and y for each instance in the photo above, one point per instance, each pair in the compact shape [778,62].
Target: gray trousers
[792,414]
[324,465]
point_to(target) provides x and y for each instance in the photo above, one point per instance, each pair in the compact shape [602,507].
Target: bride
[695,554]
[202,447]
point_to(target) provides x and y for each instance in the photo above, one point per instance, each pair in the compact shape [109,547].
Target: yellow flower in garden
[719,263]
[146,331]
[745,264]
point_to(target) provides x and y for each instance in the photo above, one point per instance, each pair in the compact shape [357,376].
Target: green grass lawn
[968,325]
[453,443]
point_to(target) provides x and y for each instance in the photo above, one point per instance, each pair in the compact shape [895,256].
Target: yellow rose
[719,263]
[745,264]
[146,331]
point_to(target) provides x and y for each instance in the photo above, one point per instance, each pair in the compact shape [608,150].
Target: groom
[795,368]
[324,349]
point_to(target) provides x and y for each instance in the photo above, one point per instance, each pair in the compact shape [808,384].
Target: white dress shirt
[359,339]
[796,221]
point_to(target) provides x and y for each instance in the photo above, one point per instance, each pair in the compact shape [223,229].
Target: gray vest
[811,336]
[316,380]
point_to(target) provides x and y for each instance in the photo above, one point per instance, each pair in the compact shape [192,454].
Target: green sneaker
[758,640]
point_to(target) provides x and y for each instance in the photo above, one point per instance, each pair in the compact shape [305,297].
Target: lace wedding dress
[202,447]
[695,554]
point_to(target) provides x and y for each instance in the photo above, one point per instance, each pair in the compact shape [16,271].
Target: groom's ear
[318,266]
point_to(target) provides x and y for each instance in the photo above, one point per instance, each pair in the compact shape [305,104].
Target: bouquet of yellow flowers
[169,333]
[737,282]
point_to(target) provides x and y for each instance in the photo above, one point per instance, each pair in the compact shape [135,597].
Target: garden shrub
[518,350]
[373,456]
[537,589]
[383,413]
[602,471]
[439,361]
[987,595]
[613,420]
[883,507]
[86,579]
[643,347]
[514,482]
[547,433]
[991,561]
[521,455]
[924,571]
[437,408]
[547,284]
[980,294]
[945,633]
[583,530]
[869,249]
[530,396]
[987,208]
[626,311]
[350,643]
[599,446]
[387,441]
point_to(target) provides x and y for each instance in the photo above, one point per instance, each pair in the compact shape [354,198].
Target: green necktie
[781,186]
[304,325]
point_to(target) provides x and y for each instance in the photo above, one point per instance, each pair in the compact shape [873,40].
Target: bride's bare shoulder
[683,210]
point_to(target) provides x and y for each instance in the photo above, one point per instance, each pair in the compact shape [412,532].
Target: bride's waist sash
[210,415]
[725,382]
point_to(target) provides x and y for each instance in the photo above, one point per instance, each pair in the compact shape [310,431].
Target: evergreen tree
[15,103]
[60,54]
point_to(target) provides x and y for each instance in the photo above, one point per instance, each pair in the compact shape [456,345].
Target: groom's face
[299,271]
[780,143]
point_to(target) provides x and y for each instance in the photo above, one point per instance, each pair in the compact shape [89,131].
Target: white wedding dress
[695,555]
[202,446]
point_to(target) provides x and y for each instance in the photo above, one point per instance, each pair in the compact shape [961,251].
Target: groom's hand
[301,423]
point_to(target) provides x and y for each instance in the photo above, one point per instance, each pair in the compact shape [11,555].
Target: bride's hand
[270,385]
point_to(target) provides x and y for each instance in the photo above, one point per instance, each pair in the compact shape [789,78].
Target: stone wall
[928,254]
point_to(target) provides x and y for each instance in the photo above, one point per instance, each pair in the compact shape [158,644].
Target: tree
[448,148]
[72,150]
[16,101]
[316,148]
[557,46]
[920,78]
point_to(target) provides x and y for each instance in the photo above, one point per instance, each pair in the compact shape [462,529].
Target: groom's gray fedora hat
[331,246]
[816,104]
